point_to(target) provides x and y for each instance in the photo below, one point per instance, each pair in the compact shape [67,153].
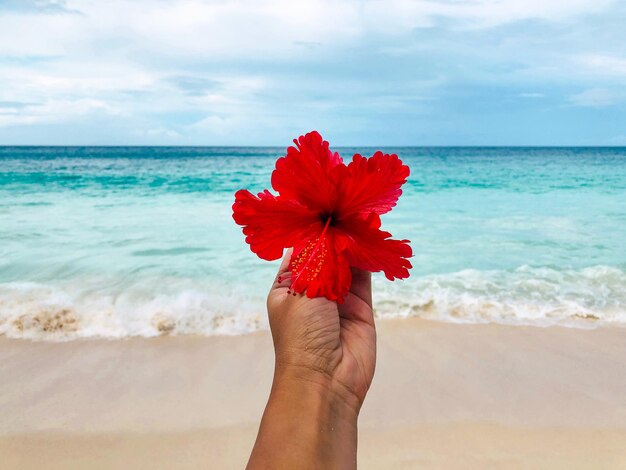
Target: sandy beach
[444,396]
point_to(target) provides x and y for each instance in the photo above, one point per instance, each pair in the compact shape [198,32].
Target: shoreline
[444,395]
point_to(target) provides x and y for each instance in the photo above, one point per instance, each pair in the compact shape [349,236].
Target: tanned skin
[325,359]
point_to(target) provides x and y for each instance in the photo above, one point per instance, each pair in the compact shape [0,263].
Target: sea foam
[587,297]
[524,296]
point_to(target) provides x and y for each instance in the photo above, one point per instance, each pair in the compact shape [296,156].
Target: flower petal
[371,249]
[305,173]
[371,184]
[319,269]
[272,224]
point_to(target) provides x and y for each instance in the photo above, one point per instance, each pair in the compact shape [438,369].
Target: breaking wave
[525,296]
[533,296]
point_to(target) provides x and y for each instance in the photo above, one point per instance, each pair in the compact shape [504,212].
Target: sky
[256,72]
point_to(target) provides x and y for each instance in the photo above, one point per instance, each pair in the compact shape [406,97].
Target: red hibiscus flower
[329,213]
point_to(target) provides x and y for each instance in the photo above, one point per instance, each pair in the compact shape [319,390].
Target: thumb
[362,285]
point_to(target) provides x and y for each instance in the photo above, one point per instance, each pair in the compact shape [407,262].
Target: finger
[362,285]
[283,277]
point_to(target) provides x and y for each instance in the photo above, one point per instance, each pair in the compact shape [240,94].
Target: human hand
[320,341]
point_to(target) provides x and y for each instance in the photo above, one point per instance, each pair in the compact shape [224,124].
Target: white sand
[444,396]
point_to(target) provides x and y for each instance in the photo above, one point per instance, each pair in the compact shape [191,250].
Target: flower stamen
[309,254]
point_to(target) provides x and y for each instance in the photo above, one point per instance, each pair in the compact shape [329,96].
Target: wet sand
[444,396]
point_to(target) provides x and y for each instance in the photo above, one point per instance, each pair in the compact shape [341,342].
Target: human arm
[325,358]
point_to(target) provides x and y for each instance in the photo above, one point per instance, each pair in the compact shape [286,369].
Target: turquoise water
[140,241]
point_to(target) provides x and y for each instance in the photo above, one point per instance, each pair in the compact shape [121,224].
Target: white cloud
[596,98]
[229,28]
[54,111]
[37,6]
[477,13]
[173,69]
[604,64]
[160,132]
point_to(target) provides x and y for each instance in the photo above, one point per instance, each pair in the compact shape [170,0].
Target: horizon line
[333,146]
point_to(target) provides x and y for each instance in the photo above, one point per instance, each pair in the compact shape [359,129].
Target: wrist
[319,387]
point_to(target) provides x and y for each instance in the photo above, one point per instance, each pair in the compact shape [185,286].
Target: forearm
[306,424]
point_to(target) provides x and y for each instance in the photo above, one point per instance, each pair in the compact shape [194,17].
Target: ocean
[139,241]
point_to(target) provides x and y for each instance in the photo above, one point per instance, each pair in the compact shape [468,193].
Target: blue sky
[254,72]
